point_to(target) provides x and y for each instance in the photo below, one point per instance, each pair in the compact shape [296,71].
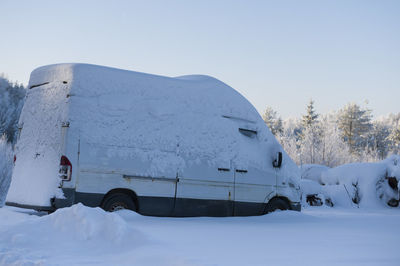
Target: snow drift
[74,229]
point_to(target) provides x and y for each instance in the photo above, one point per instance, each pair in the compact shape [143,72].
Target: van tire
[118,201]
[277,204]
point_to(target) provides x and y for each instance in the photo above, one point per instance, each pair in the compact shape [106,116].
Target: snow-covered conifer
[310,137]
[311,117]
[11,102]
[355,123]
[273,121]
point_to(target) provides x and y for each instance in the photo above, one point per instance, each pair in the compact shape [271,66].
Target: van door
[280,180]
[40,145]
[204,188]
[252,187]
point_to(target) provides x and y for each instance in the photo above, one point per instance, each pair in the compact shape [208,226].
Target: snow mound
[78,230]
[85,223]
[369,185]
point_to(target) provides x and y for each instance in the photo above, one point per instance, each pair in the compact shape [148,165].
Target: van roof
[65,72]
[198,91]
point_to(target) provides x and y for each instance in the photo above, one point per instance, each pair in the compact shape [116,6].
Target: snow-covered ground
[89,236]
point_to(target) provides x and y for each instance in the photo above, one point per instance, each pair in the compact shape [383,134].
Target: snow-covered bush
[6,165]
[355,184]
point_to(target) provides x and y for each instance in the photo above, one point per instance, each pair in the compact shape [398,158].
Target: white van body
[184,146]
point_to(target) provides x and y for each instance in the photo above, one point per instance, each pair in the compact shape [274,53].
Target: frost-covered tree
[309,144]
[6,166]
[290,138]
[378,139]
[346,136]
[311,134]
[333,150]
[355,123]
[11,102]
[310,118]
[394,139]
[273,121]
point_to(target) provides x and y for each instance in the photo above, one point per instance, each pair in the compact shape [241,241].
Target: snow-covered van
[183,146]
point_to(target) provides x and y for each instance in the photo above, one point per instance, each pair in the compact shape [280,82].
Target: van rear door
[35,177]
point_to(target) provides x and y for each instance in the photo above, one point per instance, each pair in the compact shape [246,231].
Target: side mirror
[278,160]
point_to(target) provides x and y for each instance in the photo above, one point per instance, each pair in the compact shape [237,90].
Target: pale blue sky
[276,53]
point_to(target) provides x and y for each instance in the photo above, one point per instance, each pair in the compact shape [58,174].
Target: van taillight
[65,169]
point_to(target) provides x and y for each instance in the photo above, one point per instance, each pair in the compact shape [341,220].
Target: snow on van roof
[96,80]
[64,71]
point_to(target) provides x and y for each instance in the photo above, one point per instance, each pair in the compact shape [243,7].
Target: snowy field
[89,236]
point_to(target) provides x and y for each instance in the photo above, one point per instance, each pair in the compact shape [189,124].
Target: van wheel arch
[118,191]
[277,203]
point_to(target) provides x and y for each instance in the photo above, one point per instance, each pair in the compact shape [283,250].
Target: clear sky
[276,53]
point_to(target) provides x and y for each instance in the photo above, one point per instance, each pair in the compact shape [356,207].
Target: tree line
[344,136]
[11,101]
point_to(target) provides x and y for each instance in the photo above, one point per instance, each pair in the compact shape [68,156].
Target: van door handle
[224,169]
[241,171]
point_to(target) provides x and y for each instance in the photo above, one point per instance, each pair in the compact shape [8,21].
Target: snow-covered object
[310,187]
[156,119]
[312,171]
[356,184]
[360,180]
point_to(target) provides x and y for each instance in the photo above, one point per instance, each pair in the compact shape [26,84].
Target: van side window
[38,85]
[248,132]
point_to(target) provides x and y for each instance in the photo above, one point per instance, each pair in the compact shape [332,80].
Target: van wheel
[118,201]
[276,204]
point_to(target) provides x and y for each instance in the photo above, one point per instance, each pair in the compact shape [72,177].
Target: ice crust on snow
[169,123]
